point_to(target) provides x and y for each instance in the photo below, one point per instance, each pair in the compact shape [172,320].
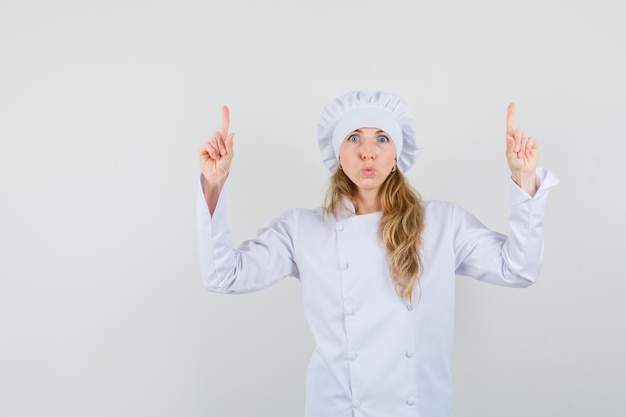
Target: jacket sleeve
[255,264]
[514,260]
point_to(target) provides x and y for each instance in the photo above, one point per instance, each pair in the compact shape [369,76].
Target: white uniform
[376,355]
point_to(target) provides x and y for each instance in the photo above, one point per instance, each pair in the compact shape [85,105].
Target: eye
[383,139]
[353,138]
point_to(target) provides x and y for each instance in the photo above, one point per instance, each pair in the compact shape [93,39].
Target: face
[367,156]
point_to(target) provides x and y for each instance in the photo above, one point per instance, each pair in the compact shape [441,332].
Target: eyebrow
[378,131]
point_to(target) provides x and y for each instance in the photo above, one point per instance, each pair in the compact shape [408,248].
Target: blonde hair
[401,225]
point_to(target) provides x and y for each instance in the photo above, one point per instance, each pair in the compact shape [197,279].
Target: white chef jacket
[376,354]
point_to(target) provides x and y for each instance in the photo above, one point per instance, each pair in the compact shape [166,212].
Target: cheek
[342,153]
[390,154]
[345,155]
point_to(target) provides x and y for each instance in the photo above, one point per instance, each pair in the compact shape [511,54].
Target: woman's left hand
[522,153]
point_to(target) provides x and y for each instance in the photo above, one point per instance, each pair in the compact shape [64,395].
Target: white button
[410,401]
[409,353]
[352,356]
[356,403]
[349,311]
[409,307]
[344,266]
[339,227]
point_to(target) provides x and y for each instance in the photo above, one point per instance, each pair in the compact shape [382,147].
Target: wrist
[527,181]
[212,188]
[214,180]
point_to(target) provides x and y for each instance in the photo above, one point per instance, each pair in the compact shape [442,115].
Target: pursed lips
[368,171]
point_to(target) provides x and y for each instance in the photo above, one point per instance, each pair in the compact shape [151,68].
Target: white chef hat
[358,109]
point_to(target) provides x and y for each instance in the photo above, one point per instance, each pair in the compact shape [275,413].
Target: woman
[376,264]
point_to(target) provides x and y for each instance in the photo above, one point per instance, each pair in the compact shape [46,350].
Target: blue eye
[383,139]
[353,138]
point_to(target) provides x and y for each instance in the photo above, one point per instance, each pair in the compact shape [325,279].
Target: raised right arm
[256,263]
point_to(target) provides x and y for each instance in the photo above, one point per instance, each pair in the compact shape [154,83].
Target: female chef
[377,264]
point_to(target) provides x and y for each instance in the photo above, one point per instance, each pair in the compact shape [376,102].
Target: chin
[368,185]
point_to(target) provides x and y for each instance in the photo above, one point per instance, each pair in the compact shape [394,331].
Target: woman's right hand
[216,154]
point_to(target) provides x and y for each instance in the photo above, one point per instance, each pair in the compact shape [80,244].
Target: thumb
[510,146]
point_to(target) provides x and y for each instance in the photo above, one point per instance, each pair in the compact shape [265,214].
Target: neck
[367,202]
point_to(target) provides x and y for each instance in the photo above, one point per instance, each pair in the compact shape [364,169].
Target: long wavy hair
[401,225]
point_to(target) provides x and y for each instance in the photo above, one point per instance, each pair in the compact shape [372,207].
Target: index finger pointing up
[225,121]
[510,120]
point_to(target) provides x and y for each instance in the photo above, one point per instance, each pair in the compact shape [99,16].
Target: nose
[367,150]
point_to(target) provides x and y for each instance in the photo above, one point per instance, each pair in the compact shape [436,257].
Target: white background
[103,106]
